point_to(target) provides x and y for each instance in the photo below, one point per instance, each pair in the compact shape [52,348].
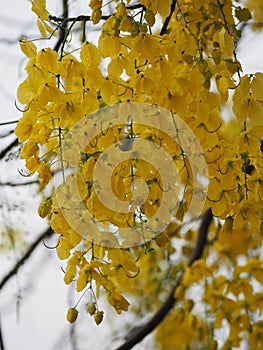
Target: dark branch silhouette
[79,18]
[87,18]
[63,26]
[17,184]
[136,335]
[168,18]
[48,232]
[2,347]
[8,148]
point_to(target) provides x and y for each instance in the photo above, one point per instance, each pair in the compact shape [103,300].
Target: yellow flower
[32,164]
[24,129]
[118,301]
[29,150]
[44,173]
[45,207]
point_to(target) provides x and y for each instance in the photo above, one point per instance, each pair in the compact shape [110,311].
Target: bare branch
[137,334]
[17,184]
[6,133]
[2,347]
[79,18]
[8,123]
[63,27]
[24,258]
[8,148]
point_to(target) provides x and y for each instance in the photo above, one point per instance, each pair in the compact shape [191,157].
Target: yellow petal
[39,7]
[63,249]
[28,48]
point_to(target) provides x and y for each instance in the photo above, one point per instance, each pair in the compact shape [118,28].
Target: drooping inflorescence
[128,138]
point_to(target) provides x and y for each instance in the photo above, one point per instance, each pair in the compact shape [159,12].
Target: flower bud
[91,308]
[72,314]
[98,317]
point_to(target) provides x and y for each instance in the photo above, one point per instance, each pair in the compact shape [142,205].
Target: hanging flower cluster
[131,132]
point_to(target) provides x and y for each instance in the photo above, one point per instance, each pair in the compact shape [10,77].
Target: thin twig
[79,18]
[168,18]
[87,18]
[17,184]
[48,232]
[8,123]
[136,335]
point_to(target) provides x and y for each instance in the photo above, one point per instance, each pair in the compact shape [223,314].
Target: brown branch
[8,148]
[168,18]
[27,254]
[137,334]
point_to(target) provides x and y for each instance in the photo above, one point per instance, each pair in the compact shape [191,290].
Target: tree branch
[2,347]
[27,254]
[8,148]
[17,184]
[79,18]
[63,27]
[87,18]
[134,337]
[167,20]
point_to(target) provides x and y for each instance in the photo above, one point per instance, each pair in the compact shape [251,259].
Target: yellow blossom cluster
[88,125]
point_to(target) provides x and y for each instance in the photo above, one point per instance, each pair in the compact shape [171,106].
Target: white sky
[39,321]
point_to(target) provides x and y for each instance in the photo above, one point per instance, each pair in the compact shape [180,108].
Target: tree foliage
[158,100]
